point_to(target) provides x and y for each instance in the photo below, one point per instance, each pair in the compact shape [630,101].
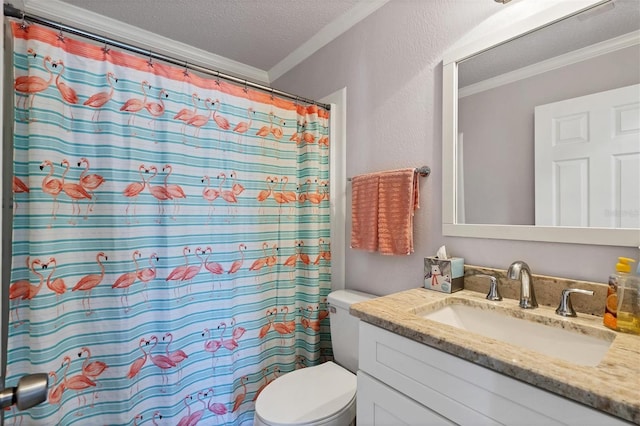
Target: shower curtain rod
[13,12]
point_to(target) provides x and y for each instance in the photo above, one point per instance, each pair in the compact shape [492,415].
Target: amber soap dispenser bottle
[622,308]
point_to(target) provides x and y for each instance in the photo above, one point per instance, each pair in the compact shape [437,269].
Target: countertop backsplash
[547,289]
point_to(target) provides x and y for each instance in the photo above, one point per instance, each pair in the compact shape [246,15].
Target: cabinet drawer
[462,391]
[380,405]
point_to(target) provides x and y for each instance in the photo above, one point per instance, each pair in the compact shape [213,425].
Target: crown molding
[607,46]
[73,16]
[327,34]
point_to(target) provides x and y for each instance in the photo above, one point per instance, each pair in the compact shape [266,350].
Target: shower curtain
[170,252]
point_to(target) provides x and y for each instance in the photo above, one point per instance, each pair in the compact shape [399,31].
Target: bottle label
[611,305]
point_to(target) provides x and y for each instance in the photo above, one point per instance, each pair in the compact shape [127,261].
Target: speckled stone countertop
[612,386]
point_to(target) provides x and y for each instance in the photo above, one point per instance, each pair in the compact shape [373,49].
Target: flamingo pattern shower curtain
[170,252]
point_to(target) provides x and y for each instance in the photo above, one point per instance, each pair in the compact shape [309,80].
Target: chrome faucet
[519,270]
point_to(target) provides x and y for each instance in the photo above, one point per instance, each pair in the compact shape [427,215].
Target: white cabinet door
[380,405]
[587,160]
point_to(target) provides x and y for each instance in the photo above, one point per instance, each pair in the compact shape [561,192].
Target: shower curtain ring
[150,61]
[106,49]
[245,89]
[24,26]
[271,94]
[217,78]
[186,69]
[61,36]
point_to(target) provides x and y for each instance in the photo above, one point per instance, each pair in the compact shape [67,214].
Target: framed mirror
[541,127]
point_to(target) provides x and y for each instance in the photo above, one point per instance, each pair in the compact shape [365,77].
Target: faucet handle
[494,293]
[566,308]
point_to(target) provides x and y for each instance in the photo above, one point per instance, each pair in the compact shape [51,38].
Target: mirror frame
[549,13]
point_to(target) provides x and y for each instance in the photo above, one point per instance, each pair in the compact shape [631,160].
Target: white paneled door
[587,160]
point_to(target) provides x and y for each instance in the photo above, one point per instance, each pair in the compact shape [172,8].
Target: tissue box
[445,275]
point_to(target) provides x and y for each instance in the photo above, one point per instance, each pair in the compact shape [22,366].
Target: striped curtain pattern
[171,250]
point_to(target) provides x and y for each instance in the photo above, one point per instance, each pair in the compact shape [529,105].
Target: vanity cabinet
[401,381]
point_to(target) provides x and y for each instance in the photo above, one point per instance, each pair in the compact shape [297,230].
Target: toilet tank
[344,327]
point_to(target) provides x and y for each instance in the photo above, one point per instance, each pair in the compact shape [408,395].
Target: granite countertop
[613,386]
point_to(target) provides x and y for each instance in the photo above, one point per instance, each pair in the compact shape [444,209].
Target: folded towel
[364,212]
[398,197]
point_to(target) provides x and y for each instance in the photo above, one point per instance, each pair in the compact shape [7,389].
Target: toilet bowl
[325,394]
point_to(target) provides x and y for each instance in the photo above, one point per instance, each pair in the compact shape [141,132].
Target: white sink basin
[580,349]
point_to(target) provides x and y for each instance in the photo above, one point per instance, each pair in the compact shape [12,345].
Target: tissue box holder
[444,275]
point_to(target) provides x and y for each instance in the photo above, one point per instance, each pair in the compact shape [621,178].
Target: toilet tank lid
[346,298]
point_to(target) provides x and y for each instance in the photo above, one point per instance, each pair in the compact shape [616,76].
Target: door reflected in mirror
[549,125]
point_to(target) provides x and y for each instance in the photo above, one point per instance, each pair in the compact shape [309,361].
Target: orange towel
[398,197]
[364,212]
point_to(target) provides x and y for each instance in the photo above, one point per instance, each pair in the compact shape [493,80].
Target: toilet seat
[309,396]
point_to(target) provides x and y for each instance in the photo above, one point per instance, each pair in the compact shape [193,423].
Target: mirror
[530,118]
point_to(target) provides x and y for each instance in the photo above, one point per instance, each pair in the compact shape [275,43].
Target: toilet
[323,395]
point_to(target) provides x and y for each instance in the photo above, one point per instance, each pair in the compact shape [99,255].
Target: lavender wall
[391,65]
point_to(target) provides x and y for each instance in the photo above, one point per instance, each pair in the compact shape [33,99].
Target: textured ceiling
[259,33]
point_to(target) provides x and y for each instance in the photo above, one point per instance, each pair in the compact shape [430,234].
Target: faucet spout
[519,270]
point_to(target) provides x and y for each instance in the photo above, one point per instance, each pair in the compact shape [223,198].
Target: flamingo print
[51,186]
[148,274]
[89,282]
[236,188]
[190,419]
[210,345]
[98,100]
[192,271]
[277,130]
[23,289]
[91,369]
[265,130]
[186,114]
[163,362]
[290,325]
[273,259]
[242,127]
[237,331]
[55,392]
[229,344]
[137,365]
[156,109]
[261,261]
[159,192]
[18,187]
[227,195]
[58,285]
[214,267]
[323,253]
[270,314]
[217,408]
[223,123]
[198,121]
[178,272]
[174,191]
[240,397]
[135,105]
[31,85]
[74,191]
[78,383]
[133,190]
[237,264]
[68,94]
[90,182]
[210,194]
[126,280]
[176,356]
[265,193]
